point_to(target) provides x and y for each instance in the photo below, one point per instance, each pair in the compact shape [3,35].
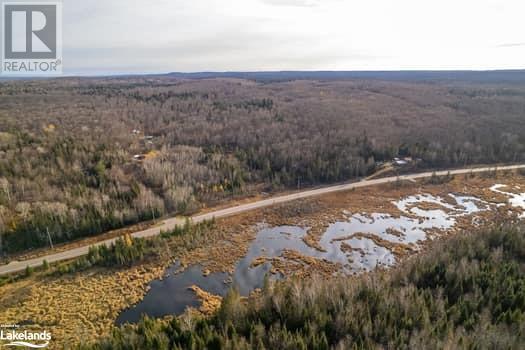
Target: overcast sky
[130,36]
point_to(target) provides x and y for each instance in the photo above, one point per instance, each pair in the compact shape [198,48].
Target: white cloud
[300,3]
[175,35]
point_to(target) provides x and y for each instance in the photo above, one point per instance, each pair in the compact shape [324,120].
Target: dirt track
[169,224]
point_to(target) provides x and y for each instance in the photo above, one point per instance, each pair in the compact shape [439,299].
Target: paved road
[169,224]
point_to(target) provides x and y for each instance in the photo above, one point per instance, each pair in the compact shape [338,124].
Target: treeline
[468,292]
[128,251]
[82,156]
[125,251]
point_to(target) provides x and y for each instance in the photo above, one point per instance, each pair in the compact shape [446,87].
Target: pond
[362,232]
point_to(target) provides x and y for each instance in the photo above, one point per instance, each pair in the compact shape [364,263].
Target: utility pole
[151,208]
[49,236]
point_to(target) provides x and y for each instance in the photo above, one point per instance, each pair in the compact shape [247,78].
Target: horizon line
[250,72]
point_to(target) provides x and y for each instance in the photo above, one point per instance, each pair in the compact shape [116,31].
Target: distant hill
[490,76]
[473,76]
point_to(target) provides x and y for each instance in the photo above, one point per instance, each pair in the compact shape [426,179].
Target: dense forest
[82,156]
[467,292]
